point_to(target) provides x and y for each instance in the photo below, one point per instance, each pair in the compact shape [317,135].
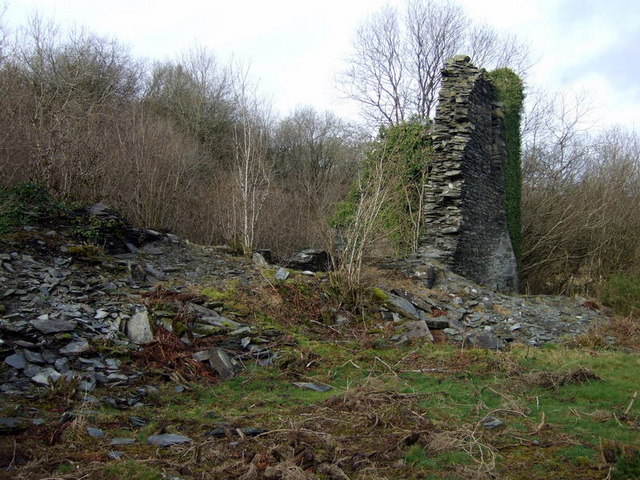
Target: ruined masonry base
[464,204]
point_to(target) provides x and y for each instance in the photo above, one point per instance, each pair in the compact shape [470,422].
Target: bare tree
[577,227]
[252,166]
[552,132]
[74,86]
[435,32]
[195,92]
[3,32]
[376,75]
[314,153]
[394,71]
[492,49]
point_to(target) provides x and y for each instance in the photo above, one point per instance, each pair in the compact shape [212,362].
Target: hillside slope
[133,354]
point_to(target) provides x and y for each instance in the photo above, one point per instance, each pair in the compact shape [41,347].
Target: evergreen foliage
[405,149]
[510,92]
[25,203]
[622,292]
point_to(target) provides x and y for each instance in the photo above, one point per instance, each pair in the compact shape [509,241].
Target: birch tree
[252,167]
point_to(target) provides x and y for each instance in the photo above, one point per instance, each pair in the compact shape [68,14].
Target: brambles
[25,203]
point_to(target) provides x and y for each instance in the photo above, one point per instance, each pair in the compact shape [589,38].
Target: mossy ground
[411,412]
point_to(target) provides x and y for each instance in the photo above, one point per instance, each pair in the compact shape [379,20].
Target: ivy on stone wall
[510,92]
[405,150]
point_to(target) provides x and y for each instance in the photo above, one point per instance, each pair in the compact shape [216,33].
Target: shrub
[25,203]
[403,151]
[622,292]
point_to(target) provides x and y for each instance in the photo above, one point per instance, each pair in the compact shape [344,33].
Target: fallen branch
[630,406]
[387,365]
[541,425]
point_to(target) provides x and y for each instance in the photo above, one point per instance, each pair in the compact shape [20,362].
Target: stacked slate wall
[464,203]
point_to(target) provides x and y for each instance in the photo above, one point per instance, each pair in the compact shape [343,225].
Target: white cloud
[296,46]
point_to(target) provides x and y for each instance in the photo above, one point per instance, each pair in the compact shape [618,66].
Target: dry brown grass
[467,438]
[554,380]
[168,353]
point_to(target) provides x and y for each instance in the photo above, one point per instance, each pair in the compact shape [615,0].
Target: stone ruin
[464,203]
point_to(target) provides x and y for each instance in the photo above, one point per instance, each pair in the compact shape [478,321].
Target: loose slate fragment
[12,426]
[221,362]
[122,441]
[312,386]
[168,439]
[137,421]
[139,328]
[33,357]
[217,433]
[435,323]
[95,432]
[47,326]
[491,422]
[154,272]
[16,360]
[115,455]
[75,347]
[483,339]
[45,376]
[259,260]
[402,306]
[201,356]
[87,385]
[282,274]
[414,330]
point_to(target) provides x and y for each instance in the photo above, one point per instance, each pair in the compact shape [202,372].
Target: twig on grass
[630,406]
[387,365]
[541,425]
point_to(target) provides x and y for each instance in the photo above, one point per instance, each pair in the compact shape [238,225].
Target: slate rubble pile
[64,316]
[480,317]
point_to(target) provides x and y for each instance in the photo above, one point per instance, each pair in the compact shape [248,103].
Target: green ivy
[510,92]
[406,151]
[25,203]
[94,229]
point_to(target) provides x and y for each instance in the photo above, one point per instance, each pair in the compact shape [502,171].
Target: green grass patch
[588,409]
[627,467]
[418,458]
[622,292]
[131,470]
[579,455]
[64,468]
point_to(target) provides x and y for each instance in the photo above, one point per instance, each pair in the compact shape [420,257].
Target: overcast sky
[296,47]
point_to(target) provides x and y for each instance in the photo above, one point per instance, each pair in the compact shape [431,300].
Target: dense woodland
[190,145]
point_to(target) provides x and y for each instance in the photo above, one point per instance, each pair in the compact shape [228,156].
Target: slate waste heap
[69,313]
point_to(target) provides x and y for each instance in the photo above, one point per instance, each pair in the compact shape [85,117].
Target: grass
[131,470]
[622,292]
[411,412]
[421,406]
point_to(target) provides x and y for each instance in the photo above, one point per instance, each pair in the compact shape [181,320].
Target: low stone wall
[464,203]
